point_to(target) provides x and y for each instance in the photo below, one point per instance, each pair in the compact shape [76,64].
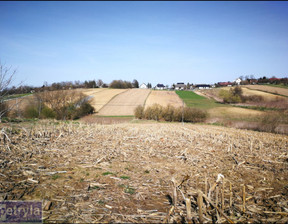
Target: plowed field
[163,98]
[100,97]
[125,103]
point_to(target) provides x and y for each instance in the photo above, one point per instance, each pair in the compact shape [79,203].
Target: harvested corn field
[100,97]
[125,103]
[148,172]
[163,98]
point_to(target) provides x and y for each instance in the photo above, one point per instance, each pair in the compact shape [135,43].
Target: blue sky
[156,42]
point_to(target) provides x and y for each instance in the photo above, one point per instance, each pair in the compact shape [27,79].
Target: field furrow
[125,103]
[100,97]
[163,98]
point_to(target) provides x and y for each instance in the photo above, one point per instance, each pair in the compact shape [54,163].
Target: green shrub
[3,109]
[31,111]
[47,112]
[139,112]
[234,95]
[85,109]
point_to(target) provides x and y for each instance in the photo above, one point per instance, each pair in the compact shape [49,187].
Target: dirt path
[125,103]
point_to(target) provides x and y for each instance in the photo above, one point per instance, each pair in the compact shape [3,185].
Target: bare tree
[100,82]
[6,78]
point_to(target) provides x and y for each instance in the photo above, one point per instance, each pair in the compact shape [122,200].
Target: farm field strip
[247,91]
[192,99]
[125,103]
[269,89]
[122,173]
[163,98]
[100,97]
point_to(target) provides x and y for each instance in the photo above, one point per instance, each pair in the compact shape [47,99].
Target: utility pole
[183,112]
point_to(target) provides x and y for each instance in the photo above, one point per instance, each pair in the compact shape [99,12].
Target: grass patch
[16,96]
[192,99]
[125,177]
[55,176]
[124,116]
[106,173]
[129,190]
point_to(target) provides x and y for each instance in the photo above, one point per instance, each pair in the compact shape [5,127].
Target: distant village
[134,84]
[238,81]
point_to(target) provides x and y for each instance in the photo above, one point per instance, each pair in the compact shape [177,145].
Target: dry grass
[250,92]
[234,112]
[163,98]
[122,173]
[269,89]
[125,103]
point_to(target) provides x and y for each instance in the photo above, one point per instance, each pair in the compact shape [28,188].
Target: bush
[170,113]
[272,120]
[3,109]
[153,112]
[47,113]
[31,111]
[194,115]
[228,96]
[139,112]
[120,84]
[254,98]
[85,109]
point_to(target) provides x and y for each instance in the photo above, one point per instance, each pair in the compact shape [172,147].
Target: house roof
[180,85]
[160,85]
[203,85]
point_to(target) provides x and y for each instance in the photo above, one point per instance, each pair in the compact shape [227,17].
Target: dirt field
[125,103]
[128,172]
[163,98]
[101,97]
[271,89]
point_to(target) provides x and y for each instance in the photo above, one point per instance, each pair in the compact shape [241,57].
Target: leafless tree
[6,77]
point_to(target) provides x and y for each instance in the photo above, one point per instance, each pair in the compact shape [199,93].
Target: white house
[180,86]
[238,81]
[203,86]
[143,86]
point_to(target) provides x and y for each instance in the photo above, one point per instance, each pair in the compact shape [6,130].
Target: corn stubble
[196,173]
